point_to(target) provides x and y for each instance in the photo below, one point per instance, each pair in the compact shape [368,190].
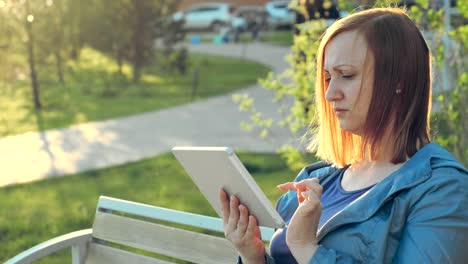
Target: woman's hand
[242,229]
[301,235]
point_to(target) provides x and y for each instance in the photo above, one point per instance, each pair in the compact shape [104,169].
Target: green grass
[95,91]
[35,212]
[281,38]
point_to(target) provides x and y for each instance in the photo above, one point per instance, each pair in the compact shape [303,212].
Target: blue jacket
[418,214]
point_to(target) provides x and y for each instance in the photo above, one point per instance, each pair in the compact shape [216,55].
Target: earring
[398,91]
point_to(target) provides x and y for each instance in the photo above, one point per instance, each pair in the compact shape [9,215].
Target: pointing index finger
[287,186]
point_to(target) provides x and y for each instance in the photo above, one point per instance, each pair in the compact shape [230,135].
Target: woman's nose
[333,92]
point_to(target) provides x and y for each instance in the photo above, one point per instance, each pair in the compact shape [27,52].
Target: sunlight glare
[49,2]
[30,18]
[2,3]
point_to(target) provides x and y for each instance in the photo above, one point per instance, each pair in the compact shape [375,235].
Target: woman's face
[349,75]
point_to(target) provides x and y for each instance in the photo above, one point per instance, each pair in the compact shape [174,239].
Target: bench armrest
[75,239]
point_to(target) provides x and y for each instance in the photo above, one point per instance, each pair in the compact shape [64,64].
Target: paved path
[213,122]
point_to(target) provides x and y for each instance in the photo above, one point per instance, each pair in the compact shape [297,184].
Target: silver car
[208,16]
[279,15]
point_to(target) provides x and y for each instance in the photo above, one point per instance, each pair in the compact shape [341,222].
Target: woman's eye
[347,76]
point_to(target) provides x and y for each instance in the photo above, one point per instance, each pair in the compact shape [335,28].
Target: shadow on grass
[45,143]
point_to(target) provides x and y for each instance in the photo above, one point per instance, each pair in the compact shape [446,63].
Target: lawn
[280,37]
[94,90]
[35,212]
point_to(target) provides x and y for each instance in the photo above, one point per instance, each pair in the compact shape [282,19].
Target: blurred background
[99,91]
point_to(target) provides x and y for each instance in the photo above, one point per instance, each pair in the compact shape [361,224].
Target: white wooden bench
[133,225]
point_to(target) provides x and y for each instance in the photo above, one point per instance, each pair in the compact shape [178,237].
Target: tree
[142,37]
[128,29]
[121,34]
[6,41]
[450,47]
[170,32]
[30,41]
[151,21]
[51,35]
[28,20]
[57,36]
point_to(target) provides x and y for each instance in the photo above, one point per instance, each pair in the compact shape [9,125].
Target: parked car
[279,15]
[209,16]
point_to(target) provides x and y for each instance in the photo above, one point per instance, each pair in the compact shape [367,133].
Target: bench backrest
[131,224]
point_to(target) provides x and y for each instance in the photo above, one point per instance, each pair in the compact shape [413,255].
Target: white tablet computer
[212,168]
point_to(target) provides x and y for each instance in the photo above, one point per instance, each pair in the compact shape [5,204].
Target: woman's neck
[366,173]
[370,171]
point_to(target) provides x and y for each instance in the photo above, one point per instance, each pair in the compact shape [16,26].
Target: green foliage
[450,119]
[35,212]
[294,92]
[296,160]
[346,5]
[127,29]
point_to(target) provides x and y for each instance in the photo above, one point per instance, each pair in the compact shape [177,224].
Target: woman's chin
[348,128]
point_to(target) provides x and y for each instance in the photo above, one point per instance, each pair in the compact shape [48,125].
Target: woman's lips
[339,111]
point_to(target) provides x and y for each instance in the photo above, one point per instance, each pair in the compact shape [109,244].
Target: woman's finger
[243,222]
[310,196]
[307,182]
[312,205]
[315,187]
[310,184]
[234,213]
[300,187]
[224,205]
[252,228]
[287,186]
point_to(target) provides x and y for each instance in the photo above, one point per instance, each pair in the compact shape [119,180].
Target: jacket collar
[415,171]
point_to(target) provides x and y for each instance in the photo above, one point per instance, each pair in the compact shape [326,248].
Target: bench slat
[98,254]
[165,240]
[174,216]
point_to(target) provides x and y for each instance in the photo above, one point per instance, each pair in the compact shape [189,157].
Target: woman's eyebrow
[337,67]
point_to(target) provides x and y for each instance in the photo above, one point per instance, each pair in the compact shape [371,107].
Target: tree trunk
[138,38]
[75,14]
[120,59]
[136,68]
[32,65]
[58,60]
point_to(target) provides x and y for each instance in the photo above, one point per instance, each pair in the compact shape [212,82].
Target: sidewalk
[211,122]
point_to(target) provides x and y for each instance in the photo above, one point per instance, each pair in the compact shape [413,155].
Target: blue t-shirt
[333,200]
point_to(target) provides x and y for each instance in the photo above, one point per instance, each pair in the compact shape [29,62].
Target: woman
[390,195]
